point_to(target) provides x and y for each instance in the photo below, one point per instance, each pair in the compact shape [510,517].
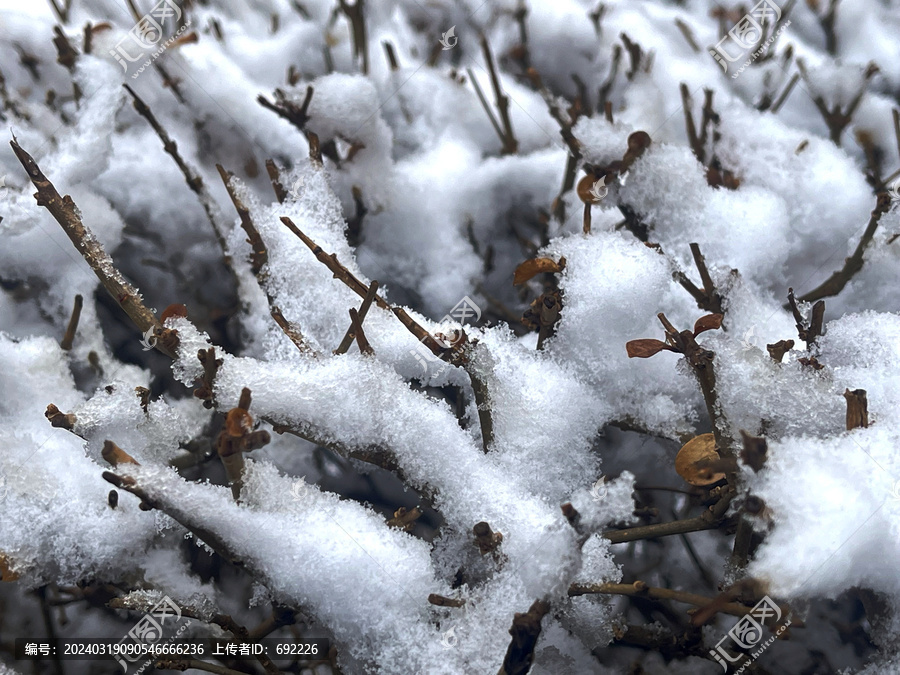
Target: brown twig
[857,409]
[259,255]
[836,282]
[69,336]
[363,310]
[390,55]
[710,519]
[776,105]
[835,118]
[405,519]
[358,287]
[510,144]
[525,631]
[275,178]
[641,589]
[61,11]
[191,175]
[688,34]
[287,109]
[710,299]
[443,601]
[485,105]
[359,334]
[65,212]
[354,14]
[167,79]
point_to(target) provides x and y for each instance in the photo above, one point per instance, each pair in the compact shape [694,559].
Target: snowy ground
[691,159]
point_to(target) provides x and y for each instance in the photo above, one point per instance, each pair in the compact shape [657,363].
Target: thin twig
[191,175]
[355,15]
[275,178]
[776,106]
[69,336]
[640,589]
[259,255]
[167,79]
[65,212]
[510,144]
[363,310]
[711,519]
[485,105]
[361,341]
[836,282]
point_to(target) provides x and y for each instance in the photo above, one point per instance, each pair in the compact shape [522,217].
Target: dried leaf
[645,348]
[690,459]
[6,571]
[708,322]
[175,309]
[531,268]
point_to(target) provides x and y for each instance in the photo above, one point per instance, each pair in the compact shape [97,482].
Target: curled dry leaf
[531,268]
[690,459]
[645,348]
[708,322]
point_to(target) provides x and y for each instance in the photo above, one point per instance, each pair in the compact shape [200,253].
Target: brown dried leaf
[175,309]
[645,348]
[708,322]
[531,268]
[6,571]
[690,459]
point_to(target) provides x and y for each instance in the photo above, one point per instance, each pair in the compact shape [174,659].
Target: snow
[447,217]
